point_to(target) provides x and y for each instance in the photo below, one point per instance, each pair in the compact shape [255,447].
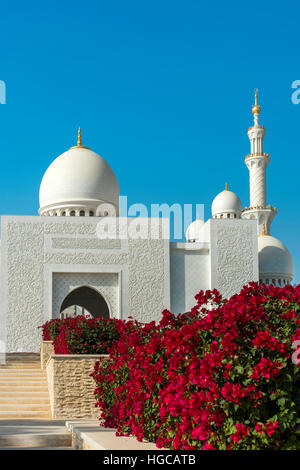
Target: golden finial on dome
[226,187]
[79,142]
[256,108]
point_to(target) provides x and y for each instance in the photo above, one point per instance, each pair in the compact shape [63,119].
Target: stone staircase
[23,388]
[25,414]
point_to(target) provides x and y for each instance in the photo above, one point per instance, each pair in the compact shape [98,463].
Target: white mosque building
[55,260]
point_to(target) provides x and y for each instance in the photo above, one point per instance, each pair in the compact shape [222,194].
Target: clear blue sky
[162,90]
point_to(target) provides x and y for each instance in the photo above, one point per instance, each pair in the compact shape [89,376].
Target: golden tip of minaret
[256,108]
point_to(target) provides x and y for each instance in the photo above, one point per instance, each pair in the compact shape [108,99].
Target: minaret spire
[257,162]
[256,109]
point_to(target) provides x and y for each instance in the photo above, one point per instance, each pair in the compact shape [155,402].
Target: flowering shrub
[51,329]
[211,379]
[81,335]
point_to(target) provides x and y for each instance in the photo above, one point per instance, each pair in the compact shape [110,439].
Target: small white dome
[275,260]
[193,232]
[225,203]
[78,178]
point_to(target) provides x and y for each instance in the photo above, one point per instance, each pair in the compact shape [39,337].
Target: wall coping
[77,356]
[46,341]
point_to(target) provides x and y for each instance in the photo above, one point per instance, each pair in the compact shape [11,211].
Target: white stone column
[257,176]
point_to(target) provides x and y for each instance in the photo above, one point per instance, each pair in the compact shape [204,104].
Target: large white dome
[275,261]
[226,203]
[78,180]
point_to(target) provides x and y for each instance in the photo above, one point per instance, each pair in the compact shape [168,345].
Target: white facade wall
[233,254]
[37,250]
[226,259]
[190,272]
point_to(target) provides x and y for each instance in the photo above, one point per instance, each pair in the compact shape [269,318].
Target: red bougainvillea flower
[218,377]
[241,431]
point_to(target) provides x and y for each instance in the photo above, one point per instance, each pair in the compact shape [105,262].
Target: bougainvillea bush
[222,378]
[81,335]
[51,329]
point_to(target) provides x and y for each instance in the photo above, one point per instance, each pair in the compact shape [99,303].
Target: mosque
[56,260]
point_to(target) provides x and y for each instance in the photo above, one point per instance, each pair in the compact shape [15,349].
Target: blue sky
[163,90]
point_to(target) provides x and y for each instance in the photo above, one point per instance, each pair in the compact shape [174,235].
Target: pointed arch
[88,298]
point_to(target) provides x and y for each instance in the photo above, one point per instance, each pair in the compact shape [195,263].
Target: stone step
[31,440]
[15,394]
[22,373]
[20,365]
[16,384]
[37,448]
[15,370]
[43,387]
[19,400]
[22,379]
[24,407]
[20,370]
[29,376]
[7,360]
[24,414]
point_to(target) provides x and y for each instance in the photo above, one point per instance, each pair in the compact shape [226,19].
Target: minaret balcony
[256,127]
[251,155]
[268,208]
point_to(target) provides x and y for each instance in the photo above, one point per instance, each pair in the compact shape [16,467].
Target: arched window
[88,299]
[72,213]
[81,213]
[91,213]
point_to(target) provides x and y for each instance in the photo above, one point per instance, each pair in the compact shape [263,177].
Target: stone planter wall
[46,350]
[70,386]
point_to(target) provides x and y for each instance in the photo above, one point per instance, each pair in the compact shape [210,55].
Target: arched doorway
[90,300]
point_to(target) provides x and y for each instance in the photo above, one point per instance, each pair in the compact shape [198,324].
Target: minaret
[257,163]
